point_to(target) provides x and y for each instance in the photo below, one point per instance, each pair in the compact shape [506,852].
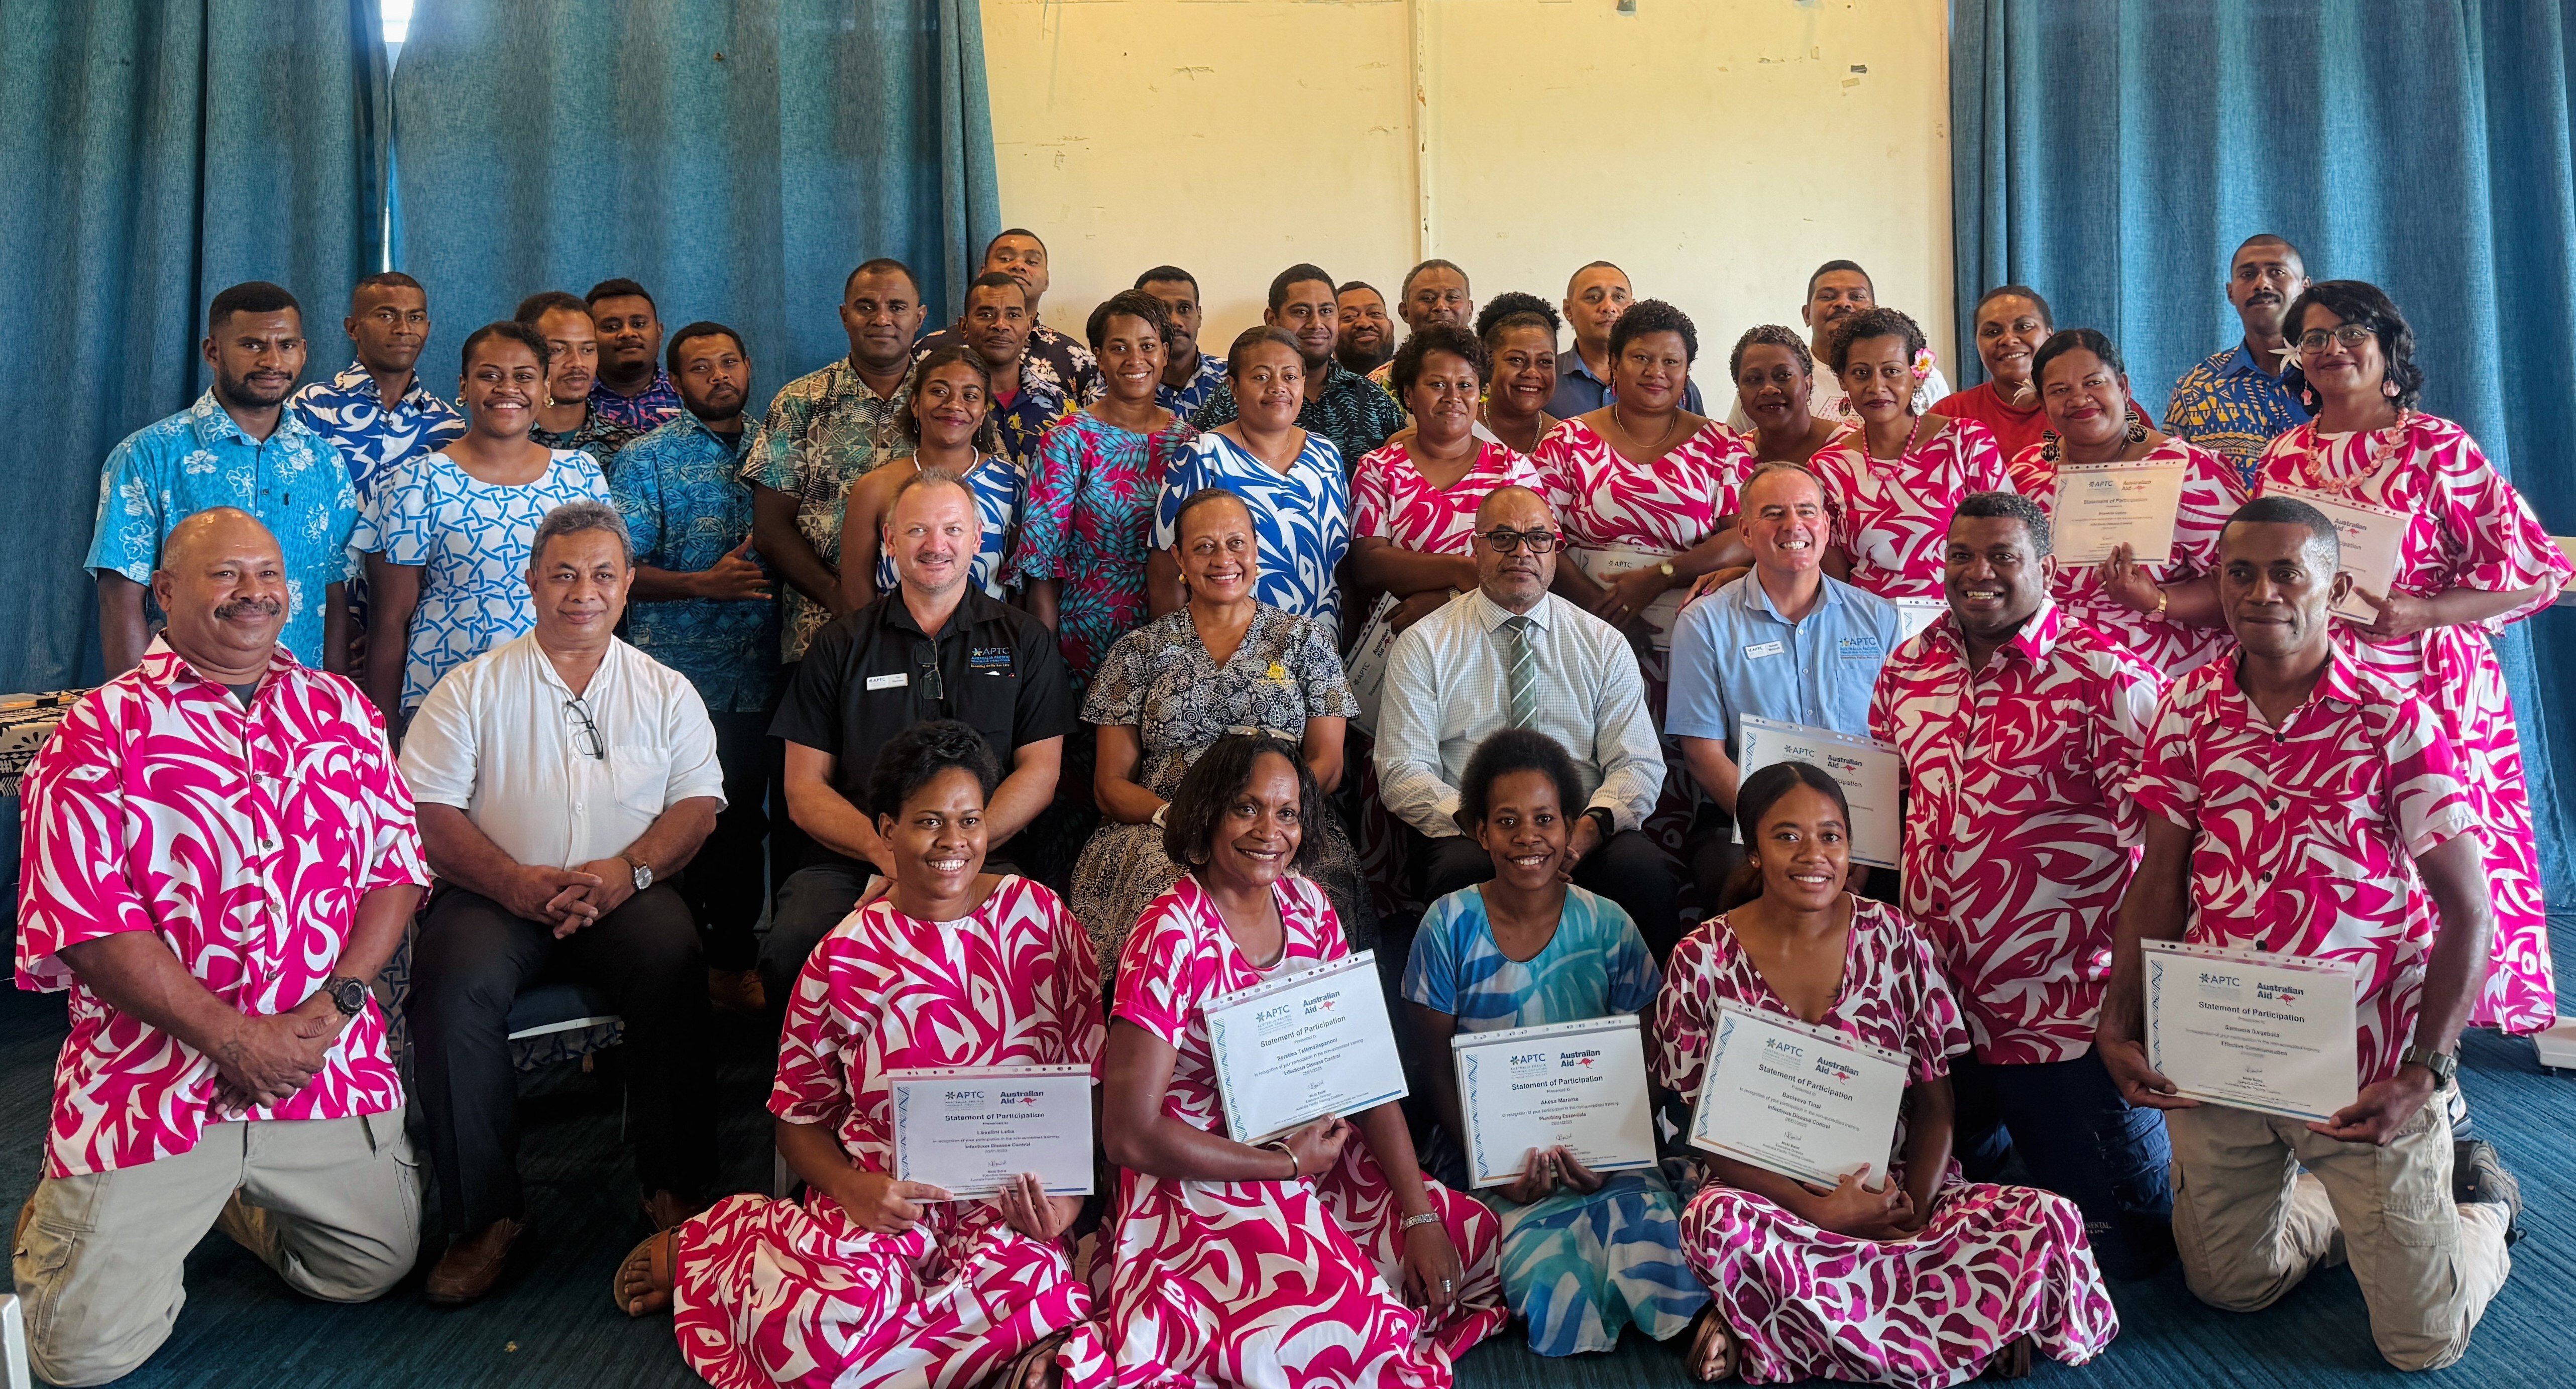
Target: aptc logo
[1774,1044]
[2221,981]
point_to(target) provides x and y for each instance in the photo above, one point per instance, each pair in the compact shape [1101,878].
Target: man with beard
[1190,375]
[632,389]
[1341,404]
[1838,289]
[1365,342]
[1594,299]
[376,411]
[702,606]
[1028,396]
[2234,404]
[1019,254]
[238,446]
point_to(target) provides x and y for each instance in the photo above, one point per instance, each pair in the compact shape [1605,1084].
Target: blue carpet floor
[551,1324]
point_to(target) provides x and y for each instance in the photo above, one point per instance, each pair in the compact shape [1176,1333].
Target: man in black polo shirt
[935,648]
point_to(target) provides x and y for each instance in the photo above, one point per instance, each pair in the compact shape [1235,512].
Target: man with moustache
[1594,299]
[2297,804]
[566,418]
[1341,404]
[2020,729]
[238,446]
[632,390]
[220,858]
[1190,375]
[2234,404]
[1068,362]
[701,605]
[376,411]
[1363,341]
[1435,291]
[1028,396]
[1838,289]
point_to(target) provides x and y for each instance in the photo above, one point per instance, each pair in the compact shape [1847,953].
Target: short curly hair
[1515,308]
[2009,506]
[1770,335]
[1212,783]
[1406,367]
[1877,323]
[1515,750]
[910,759]
[2359,301]
[1652,316]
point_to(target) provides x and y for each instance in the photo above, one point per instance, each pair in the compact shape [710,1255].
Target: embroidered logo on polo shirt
[1860,649]
[989,660]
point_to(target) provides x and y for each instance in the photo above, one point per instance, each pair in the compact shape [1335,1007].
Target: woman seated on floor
[870,1280]
[1584,1254]
[1926,1281]
[1310,1261]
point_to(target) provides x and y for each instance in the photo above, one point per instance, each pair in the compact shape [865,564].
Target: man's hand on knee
[269,1058]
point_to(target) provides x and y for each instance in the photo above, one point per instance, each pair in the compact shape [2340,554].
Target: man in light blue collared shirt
[1785,642]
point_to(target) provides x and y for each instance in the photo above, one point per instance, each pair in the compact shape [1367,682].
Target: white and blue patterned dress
[998,486]
[1302,517]
[1577,1267]
[470,539]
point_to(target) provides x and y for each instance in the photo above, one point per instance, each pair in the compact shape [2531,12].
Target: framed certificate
[1580,1086]
[1294,1049]
[1866,768]
[1919,613]
[1611,561]
[2240,1028]
[968,1129]
[2373,538]
[1804,1101]
[2101,507]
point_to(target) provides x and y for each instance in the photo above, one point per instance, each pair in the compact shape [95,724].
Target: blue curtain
[2112,153]
[158,150]
[738,157]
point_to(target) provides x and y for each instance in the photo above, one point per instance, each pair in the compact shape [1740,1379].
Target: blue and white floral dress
[1302,517]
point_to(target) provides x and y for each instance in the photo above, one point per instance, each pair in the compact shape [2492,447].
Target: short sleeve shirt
[681,491]
[372,436]
[1596,964]
[823,430]
[1734,654]
[641,413]
[1302,517]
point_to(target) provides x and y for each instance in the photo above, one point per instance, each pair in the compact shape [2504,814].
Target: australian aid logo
[1323,1003]
[2281,993]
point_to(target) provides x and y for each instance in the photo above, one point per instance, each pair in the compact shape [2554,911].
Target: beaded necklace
[2312,455]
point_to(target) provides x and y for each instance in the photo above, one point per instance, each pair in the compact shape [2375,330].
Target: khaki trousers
[332,1204]
[2249,1225]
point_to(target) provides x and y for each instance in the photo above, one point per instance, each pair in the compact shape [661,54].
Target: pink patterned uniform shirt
[1603,498]
[2304,838]
[244,839]
[1892,515]
[2211,492]
[1391,500]
[2020,835]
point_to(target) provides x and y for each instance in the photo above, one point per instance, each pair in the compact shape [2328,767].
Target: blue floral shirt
[1186,400]
[1350,410]
[294,482]
[1302,518]
[651,410]
[2232,407]
[372,437]
[681,491]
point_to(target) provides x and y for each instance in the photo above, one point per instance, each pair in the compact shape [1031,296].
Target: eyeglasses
[586,738]
[930,686]
[2349,334]
[1510,542]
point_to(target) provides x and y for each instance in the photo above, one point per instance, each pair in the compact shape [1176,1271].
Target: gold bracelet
[2164,600]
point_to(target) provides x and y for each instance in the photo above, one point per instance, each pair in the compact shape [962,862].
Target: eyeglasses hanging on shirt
[585,738]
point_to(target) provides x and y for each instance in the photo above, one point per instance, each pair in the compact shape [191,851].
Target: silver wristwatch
[643,872]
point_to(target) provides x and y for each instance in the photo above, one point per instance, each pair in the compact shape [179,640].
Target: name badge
[989,660]
[1859,649]
[1760,649]
[888,682]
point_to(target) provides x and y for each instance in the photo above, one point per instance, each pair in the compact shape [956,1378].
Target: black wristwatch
[1609,823]
[2444,1065]
[347,994]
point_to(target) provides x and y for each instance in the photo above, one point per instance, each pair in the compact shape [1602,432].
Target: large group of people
[1037,692]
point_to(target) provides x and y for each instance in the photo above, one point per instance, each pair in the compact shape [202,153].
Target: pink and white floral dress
[1892,515]
[1276,1283]
[2470,529]
[1994,1263]
[2211,492]
[783,1292]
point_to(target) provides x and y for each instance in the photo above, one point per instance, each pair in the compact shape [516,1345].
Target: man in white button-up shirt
[562,778]
[1449,687]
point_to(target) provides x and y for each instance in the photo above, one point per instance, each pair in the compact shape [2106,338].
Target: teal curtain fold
[2112,153]
[738,157]
[158,151]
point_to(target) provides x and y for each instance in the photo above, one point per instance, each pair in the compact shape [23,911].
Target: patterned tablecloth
[26,721]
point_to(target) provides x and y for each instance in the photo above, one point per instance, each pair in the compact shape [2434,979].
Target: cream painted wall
[1717,149]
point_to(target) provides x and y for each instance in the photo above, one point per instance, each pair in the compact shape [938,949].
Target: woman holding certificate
[871,1279]
[2469,558]
[1584,1253]
[1923,1280]
[1321,1257]
[2149,494]
[1892,477]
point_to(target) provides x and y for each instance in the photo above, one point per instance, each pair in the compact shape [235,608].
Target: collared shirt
[1355,415]
[1446,692]
[1185,401]
[1067,362]
[1828,401]
[244,838]
[2305,836]
[1301,519]
[1734,654]
[642,413]
[372,437]
[597,435]
[293,481]
[1042,402]
[1579,392]
[505,740]
[681,490]
[2232,406]
[870,675]
[823,429]
[2020,834]
[1392,501]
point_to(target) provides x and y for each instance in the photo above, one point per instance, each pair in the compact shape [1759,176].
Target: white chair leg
[13,1345]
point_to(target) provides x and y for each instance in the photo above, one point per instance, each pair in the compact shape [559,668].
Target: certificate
[1919,613]
[1366,669]
[1580,1086]
[1611,561]
[2373,536]
[967,1129]
[1298,1048]
[1865,767]
[2104,506]
[1804,1101]
[2236,1027]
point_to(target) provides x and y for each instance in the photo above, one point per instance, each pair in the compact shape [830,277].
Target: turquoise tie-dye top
[1595,964]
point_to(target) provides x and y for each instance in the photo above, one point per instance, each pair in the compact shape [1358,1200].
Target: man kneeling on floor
[219,858]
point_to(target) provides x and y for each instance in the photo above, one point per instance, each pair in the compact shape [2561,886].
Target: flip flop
[655,1253]
[1712,1348]
[1035,1368]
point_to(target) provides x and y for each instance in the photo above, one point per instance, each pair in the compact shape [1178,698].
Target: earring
[2388,389]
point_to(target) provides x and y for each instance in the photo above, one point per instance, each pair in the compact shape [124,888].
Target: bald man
[219,859]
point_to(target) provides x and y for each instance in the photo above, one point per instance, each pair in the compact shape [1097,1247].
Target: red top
[2014,428]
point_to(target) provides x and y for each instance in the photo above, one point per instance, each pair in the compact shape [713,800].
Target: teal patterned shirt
[681,491]
[1596,964]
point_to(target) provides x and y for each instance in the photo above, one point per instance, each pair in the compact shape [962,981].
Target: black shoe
[2478,1178]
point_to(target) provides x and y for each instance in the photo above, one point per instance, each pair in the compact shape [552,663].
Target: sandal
[1712,1347]
[2012,1362]
[1036,1368]
[651,1258]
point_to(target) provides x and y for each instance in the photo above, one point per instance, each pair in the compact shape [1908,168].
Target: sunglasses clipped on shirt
[585,738]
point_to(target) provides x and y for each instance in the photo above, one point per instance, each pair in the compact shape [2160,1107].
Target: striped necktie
[1520,673]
